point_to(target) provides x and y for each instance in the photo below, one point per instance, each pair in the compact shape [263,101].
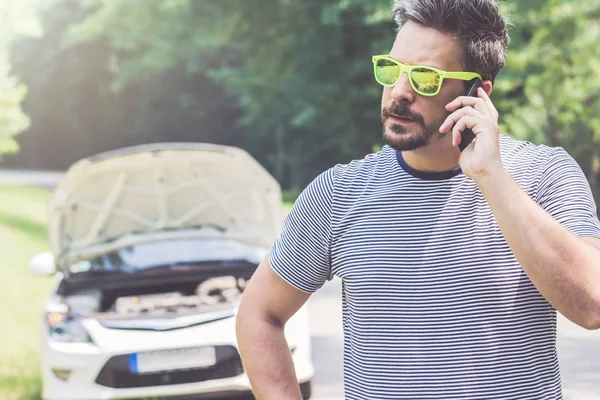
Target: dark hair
[477,25]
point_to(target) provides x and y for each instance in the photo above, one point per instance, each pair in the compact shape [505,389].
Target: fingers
[482,104]
[453,118]
[464,101]
[463,123]
[488,102]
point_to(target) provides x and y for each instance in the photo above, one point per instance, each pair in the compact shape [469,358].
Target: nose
[402,91]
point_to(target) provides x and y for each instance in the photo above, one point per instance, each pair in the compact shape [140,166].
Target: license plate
[170,360]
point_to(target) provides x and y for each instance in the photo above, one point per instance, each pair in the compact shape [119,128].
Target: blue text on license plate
[170,360]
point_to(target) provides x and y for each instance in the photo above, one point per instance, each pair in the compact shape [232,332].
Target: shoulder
[523,152]
[364,168]
[533,165]
[346,182]
[523,157]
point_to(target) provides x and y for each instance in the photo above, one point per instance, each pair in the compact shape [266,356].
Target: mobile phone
[467,135]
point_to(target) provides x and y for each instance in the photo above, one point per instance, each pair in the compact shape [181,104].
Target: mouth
[400,120]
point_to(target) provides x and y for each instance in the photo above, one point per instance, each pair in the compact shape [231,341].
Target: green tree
[550,90]
[75,100]
[300,71]
[291,81]
[12,119]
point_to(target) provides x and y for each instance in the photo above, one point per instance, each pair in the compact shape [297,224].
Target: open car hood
[162,191]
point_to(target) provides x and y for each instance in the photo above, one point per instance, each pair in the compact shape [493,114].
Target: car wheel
[306,390]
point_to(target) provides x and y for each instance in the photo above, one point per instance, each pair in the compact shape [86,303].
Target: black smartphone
[467,135]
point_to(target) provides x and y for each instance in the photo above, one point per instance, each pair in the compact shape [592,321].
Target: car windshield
[144,256]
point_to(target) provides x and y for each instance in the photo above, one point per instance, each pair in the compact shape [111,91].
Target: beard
[399,138]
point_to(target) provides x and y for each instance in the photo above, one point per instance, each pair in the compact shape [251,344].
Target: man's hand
[482,157]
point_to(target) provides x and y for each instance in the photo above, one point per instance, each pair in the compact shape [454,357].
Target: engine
[212,294]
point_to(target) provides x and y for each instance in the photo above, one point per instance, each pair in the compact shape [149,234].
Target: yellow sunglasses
[426,81]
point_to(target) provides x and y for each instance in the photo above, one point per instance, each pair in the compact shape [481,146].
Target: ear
[488,87]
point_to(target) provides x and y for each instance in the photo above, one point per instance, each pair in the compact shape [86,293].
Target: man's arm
[563,267]
[267,304]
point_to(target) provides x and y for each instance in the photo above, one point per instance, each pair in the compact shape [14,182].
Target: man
[453,263]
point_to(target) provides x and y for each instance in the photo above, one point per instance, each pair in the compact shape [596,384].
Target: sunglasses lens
[386,72]
[425,80]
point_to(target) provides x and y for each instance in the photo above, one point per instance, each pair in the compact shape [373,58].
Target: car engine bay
[210,295]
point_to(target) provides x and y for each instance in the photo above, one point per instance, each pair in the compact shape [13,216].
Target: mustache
[401,110]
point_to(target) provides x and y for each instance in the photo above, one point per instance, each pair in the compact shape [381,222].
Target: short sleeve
[565,193]
[301,254]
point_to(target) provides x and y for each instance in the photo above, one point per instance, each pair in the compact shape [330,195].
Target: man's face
[410,120]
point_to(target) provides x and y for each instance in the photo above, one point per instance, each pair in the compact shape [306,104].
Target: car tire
[306,390]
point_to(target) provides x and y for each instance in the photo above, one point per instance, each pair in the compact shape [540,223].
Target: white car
[152,247]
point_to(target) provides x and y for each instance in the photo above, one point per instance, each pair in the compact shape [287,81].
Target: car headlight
[65,327]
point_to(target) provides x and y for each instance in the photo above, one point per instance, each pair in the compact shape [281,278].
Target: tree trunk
[280,153]
[552,133]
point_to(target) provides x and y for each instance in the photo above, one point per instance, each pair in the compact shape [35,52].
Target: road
[578,349]
[325,313]
[44,179]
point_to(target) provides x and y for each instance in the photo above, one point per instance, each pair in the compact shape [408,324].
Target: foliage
[12,119]
[551,85]
[289,81]
[298,70]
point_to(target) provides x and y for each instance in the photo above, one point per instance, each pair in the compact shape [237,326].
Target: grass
[287,206]
[23,218]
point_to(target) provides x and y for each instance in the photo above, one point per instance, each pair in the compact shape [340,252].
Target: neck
[438,156]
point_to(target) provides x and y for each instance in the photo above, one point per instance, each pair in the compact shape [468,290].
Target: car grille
[116,373]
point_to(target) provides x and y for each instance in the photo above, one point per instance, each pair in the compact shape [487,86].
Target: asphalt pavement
[43,179]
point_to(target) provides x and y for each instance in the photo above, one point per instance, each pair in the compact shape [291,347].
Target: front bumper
[102,371]
[117,373]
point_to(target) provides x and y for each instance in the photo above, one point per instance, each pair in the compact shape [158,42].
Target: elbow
[591,325]
[250,319]
[591,321]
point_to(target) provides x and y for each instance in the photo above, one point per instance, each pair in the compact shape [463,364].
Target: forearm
[564,268]
[267,359]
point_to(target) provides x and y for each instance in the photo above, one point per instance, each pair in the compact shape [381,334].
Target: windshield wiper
[99,272]
[197,265]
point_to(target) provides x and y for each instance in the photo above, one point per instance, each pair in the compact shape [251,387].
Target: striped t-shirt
[435,305]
